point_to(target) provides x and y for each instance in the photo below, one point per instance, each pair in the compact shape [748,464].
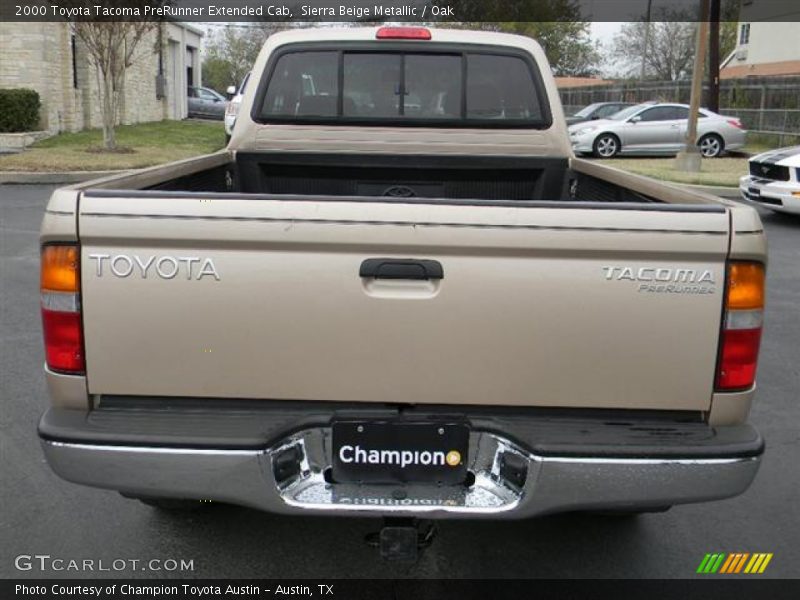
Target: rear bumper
[513,477]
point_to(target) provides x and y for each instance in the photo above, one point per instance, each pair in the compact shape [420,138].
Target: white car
[774,180]
[233,107]
[654,129]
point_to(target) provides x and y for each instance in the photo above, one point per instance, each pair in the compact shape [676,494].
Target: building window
[744,34]
[74,63]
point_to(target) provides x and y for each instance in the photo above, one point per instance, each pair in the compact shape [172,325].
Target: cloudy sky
[604,32]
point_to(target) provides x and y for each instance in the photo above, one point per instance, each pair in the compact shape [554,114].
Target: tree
[111,47]
[669,52]
[729,27]
[567,44]
[231,52]
[728,33]
[218,73]
[556,24]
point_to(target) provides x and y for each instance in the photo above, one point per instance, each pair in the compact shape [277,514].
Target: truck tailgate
[539,305]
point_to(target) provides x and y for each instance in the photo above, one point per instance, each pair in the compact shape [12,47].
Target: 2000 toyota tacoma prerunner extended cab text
[397,292]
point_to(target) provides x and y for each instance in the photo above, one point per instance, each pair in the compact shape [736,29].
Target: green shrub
[19,110]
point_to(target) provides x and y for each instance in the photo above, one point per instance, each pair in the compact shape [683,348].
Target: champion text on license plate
[399,452]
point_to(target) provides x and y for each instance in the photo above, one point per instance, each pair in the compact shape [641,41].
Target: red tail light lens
[61,309]
[736,123]
[403,33]
[63,342]
[739,359]
[741,334]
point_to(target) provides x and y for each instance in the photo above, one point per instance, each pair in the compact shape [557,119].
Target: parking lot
[45,515]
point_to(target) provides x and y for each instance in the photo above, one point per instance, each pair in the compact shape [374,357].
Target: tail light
[403,33]
[741,331]
[232,108]
[61,308]
[736,123]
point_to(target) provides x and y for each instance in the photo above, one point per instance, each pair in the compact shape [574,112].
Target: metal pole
[689,158]
[646,40]
[714,58]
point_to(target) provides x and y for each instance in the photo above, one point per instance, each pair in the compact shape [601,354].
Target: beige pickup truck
[397,292]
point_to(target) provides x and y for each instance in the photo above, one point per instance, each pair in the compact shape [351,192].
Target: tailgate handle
[401,268]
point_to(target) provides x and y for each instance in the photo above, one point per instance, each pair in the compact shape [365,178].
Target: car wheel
[606,146]
[711,145]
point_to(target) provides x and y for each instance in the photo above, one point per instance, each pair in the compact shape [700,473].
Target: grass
[723,172]
[761,142]
[151,144]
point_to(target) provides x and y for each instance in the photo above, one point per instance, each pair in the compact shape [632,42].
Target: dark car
[206,103]
[598,110]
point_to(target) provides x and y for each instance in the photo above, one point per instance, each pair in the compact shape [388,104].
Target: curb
[715,190]
[31,178]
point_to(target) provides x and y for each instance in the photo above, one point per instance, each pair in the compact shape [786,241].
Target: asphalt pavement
[42,515]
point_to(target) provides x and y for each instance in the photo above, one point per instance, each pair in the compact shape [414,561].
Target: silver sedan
[656,129]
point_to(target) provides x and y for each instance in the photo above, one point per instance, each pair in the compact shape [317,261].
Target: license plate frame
[407,452]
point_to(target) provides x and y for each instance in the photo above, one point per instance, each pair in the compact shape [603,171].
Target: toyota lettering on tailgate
[164,267]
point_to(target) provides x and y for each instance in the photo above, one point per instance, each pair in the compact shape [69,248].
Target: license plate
[399,452]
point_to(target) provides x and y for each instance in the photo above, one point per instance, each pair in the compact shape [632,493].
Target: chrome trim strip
[151,450]
[643,461]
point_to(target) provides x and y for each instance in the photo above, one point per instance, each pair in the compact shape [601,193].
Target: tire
[607,145]
[711,145]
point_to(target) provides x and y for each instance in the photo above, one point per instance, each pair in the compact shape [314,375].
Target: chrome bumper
[551,484]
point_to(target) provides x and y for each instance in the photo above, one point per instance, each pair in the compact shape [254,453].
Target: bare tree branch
[111,47]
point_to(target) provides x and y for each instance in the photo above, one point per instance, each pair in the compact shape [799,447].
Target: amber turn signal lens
[745,286]
[60,268]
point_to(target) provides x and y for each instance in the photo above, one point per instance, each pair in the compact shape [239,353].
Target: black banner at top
[406,11]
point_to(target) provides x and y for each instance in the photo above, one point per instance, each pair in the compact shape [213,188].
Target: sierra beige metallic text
[398,292]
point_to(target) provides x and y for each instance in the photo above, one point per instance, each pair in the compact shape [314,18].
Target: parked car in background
[656,128]
[205,103]
[598,110]
[774,180]
[233,106]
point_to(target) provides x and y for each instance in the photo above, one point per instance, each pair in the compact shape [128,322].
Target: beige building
[48,58]
[766,44]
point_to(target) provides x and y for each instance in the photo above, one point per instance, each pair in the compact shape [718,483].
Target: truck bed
[403,178]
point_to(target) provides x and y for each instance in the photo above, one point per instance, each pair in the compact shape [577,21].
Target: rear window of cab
[369,86]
